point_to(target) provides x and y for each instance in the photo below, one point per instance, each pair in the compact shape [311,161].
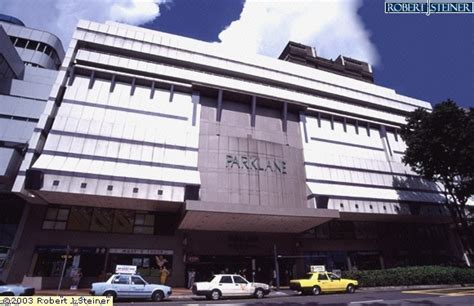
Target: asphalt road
[452,296]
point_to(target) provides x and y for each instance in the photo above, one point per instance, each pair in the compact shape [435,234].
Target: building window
[55,183]
[83,185]
[79,218]
[135,190]
[21,43]
[144,223]
[160,192]
[322,231]
[56,218]
[32,45]
[123,221]
[102,220]
[110,188]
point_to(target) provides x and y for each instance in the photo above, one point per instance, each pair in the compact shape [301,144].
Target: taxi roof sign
[318,268]
[125,269]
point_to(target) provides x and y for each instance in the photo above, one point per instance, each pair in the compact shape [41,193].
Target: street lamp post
[66,256]
[277,268]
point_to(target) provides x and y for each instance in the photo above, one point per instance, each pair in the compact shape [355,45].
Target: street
[445,296]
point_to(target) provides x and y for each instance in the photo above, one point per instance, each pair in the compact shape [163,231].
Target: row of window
[32,65]
[98,220]
[356,124]
[36,46]
[375,230]
[11,117]
[109,187]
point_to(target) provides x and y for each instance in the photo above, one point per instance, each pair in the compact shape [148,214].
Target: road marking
[463,291]
[369,301]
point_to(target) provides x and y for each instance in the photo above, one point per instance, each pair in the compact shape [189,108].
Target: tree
[440,147]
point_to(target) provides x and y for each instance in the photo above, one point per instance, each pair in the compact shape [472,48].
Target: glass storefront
[148,262]
[51,259]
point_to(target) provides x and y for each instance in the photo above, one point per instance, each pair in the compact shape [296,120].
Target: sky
[425,57]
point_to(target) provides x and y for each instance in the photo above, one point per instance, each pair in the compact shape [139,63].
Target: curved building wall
[34,46]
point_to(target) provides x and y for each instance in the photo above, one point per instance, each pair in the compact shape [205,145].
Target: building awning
[212,216]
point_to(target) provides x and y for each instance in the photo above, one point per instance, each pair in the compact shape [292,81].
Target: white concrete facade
[112,133]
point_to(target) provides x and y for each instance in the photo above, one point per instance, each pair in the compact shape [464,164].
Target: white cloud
[60,16]
[333,27]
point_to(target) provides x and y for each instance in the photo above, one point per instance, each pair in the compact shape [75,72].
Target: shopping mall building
[155,149]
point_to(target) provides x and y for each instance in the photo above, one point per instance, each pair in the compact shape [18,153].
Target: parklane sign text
[255,163]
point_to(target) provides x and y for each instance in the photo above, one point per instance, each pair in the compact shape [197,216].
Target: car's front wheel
[111,294]
[316,290]
[259,293]
[215,295]
[157,296]
[350,288]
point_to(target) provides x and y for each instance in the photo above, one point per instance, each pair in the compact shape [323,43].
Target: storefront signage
[73,249]
[255,163]
[126,269]
[140,251]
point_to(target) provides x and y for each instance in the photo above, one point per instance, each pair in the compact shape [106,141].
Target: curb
[416,287]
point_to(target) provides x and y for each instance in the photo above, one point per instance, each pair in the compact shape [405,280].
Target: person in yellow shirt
[164,273]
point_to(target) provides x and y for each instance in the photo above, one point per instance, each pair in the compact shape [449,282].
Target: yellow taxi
[321,282]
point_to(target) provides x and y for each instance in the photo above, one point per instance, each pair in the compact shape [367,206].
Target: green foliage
[407,276]
[440,147]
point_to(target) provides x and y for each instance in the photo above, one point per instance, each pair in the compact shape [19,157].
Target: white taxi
[130,286]
[229,285]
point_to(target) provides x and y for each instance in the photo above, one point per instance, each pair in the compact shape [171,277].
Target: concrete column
[171,93]
[253,111]
[349,263]
[12,252]
[195,99]
[219,106]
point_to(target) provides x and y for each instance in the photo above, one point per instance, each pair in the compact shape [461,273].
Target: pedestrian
[191,277]
[244,273]
[287,277]
[164,275]
[76,278]
[274,277]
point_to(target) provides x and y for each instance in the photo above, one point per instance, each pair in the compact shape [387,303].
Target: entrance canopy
[212,216]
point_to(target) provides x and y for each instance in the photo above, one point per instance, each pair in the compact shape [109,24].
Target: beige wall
[227,152]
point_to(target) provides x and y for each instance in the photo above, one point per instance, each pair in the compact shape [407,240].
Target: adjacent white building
[29,63]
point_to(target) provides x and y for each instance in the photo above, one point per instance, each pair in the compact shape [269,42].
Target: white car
[15,290]
[228,285]
[130,286]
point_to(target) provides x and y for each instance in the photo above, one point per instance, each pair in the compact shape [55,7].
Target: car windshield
[334,276]
[212,278]
[308,276]
[136,280]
